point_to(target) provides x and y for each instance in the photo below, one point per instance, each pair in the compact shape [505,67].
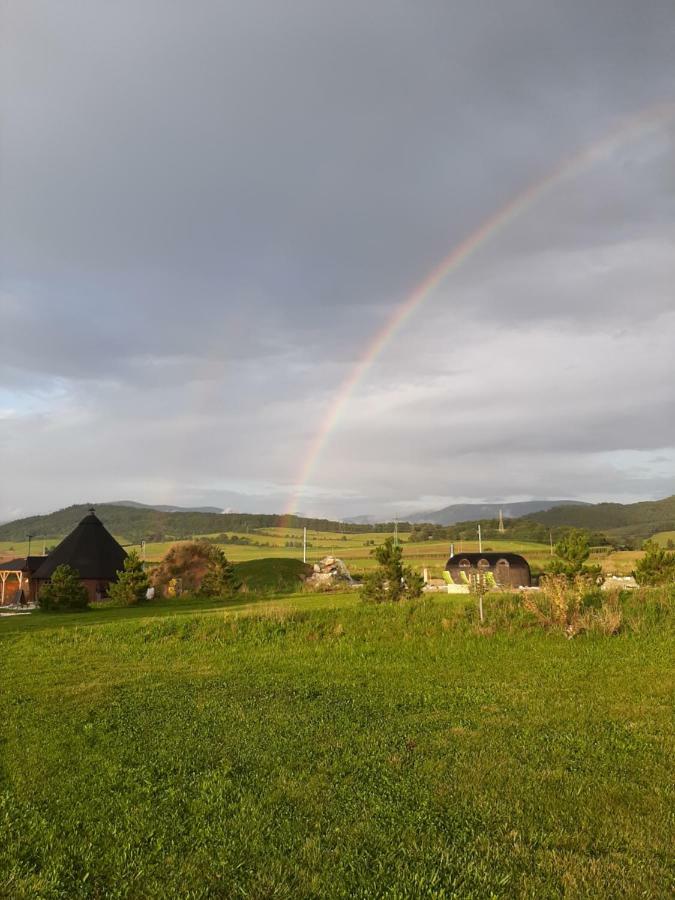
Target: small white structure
[619,583]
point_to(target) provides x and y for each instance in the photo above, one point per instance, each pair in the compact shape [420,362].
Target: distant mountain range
[132,504]
[474,512]
[132,521]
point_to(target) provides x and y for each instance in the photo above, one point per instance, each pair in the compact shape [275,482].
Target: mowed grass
[313,746]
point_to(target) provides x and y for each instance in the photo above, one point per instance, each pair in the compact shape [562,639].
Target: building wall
[97,588]
[517,574]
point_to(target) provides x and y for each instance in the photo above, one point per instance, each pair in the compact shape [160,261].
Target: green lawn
[313,746]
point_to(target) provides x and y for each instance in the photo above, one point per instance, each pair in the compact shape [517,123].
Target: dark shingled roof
[23,564]
[90,549]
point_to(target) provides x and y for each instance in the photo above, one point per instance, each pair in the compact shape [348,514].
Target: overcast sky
[209,209]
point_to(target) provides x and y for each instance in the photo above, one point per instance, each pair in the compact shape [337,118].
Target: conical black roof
[90,549]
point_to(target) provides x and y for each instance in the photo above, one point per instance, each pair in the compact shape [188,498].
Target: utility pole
[30,537]
[304,544]
[501,522]
[550,538]
[480,541]
[396,533]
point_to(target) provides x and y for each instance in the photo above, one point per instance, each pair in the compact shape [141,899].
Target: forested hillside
[136,524]
[623,523]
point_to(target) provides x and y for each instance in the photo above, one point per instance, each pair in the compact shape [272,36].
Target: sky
[209,211]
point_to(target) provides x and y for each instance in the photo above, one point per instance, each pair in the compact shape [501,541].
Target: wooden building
[92,551]
[16,579]
[509,570]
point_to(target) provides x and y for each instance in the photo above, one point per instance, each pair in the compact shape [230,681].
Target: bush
[196,567]
[132,582]
[574,608]
[656,567]
[220,579]
[64,591]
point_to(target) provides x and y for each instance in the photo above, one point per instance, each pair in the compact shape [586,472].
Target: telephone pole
[480,541]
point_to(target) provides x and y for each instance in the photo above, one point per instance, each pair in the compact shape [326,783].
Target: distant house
[92,551]
[16,576]
[507,569]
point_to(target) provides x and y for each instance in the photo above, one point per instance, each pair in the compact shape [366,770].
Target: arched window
[464,563]
[483,565]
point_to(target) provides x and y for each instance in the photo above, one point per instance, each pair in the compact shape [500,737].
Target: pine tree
[657,566]
[132,582]
[391,581]
[63,591]
[220,579]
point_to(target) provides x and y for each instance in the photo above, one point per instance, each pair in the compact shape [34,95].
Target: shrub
[132,582]
[64,591]
[196,567]
[656,567]
[220,579]
[575,607]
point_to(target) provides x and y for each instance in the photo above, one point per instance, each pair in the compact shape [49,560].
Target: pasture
[356,550]
[311,745]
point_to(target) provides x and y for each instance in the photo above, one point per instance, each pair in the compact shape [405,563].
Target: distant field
[663,538]
[356,550]
[313,746]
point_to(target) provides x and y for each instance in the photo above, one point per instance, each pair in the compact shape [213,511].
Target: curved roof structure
[492,557]
[90,549]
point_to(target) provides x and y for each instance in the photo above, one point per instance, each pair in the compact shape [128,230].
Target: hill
[164,508]
[137,523]
[627,523]
[475,512]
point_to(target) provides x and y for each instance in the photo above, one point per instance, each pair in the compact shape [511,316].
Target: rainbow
[628,129]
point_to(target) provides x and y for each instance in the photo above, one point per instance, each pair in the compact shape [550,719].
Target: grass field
[356,550]
[311,746]
[663,537]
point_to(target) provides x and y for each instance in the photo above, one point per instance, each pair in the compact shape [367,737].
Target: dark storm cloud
[209,209]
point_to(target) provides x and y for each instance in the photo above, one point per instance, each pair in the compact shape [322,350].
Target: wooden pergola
[23,569]
[8,569]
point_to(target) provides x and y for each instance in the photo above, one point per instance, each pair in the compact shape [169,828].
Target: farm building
[507,569]
[16,578]
[92,551]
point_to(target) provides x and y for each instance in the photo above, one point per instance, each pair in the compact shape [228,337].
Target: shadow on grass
[105,613]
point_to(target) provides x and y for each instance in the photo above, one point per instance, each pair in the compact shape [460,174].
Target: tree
[391,581]
[220,579]
[64,591]
[572,550]
[196,567]
[657,566]
[132,582]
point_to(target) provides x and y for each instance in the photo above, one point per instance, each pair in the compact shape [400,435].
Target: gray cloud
[208,212]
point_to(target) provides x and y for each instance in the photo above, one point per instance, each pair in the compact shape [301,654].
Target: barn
[509,570]
[92,551]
